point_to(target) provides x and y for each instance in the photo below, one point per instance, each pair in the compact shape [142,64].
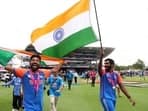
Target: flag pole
[98,28]
[101,47]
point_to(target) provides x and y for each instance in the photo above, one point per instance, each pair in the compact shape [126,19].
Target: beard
[34,67]
[107,68]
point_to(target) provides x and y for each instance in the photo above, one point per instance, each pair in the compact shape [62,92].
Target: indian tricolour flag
[5,56]
[15,57]
[66,32]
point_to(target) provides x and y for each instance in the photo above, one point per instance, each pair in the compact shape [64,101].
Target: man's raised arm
[100,62]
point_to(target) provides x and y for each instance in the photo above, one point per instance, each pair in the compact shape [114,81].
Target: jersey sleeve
[20,72]
[10,82]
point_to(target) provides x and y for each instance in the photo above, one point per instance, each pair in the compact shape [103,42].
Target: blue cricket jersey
[55,84]
[108,82]
[16,82]
[33,95]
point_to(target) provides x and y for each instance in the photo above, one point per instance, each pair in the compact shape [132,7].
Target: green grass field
[83,97]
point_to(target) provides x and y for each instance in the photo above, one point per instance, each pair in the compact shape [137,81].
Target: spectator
[17,92]
[69,78]
[56,86]
[92,75]
[75,74]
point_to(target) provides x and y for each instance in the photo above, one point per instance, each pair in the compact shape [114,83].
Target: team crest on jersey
[58,34]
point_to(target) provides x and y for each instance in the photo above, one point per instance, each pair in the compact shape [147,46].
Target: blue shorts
[108,104]
[54,93]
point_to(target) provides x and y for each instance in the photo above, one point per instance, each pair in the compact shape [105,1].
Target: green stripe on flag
[43,64]
[76,40]
[5,57]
